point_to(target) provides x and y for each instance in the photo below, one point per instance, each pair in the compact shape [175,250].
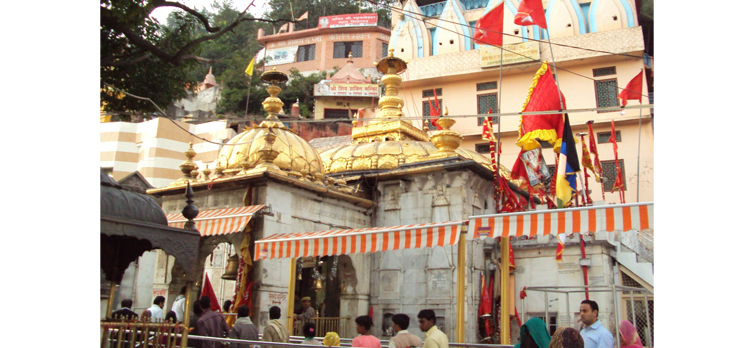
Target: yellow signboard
[512,54]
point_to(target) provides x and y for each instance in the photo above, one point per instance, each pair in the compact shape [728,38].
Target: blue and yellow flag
[568,167]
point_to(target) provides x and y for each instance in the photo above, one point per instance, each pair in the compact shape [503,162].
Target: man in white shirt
[179,304]
[156,310]
[594,334]
[403,338]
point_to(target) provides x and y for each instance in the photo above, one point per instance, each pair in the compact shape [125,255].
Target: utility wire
[516,53]
[498,32]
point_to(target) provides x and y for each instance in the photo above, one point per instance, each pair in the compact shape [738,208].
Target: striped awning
[610,218]
[355,241]
[218,221]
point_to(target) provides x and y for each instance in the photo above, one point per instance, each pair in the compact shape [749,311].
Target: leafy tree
[141,57]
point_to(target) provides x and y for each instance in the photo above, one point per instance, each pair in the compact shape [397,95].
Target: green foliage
[302,88]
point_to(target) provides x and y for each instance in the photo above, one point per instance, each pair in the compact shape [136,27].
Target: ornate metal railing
[135,334]
[324,325]
[433,10]
[473,4]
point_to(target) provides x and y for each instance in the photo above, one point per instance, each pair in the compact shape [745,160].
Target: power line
[553,64]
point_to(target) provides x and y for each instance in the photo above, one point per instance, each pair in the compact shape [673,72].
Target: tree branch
[199,16]
[109,20]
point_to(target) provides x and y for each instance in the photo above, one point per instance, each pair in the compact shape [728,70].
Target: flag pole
[505,320]
[248,90]
[497,177]
[639,135]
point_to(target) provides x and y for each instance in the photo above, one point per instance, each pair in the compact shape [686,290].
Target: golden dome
[389,155]
[270,146]
[295,153]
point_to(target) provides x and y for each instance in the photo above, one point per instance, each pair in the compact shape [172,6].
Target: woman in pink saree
[628,335]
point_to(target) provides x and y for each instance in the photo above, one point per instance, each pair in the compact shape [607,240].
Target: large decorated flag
[489,28]
[568,167]
[543,96]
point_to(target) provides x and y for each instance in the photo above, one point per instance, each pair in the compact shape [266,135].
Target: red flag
[633,90]
[598,169]
[619,182]
[543,96]
[560,247]
[207,291]
[531,12]
[435,111]
[486,304]
[489,28]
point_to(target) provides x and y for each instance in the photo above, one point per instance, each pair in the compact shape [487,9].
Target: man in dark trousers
[211,324]
[125,312]
[244,328]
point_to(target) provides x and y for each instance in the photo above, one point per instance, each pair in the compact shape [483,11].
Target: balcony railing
[433,10]
[474,4]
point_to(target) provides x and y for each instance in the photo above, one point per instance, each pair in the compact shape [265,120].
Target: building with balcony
[320,49]
[598,47]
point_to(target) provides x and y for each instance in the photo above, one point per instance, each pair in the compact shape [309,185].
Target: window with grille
[428,93]
[342,49]
[609,174]
[482,148]
[485,103]
[305,53]
[426,112]
[603,137]
[611,70]
[336,113]
[606,93]
[487,86]
[640,319]
[385,49]
[551,322]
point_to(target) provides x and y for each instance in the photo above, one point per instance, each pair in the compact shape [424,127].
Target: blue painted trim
[417,35]
[585,9]
[629,12]
[462,23]
[593,21]
[433,41]
[578,10]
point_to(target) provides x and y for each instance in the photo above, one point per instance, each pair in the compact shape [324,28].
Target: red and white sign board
[348,20]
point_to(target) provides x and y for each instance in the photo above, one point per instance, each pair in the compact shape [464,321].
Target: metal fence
[135,334]
[636,305]
[324,325]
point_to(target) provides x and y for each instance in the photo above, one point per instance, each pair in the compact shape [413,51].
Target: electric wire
[553,64]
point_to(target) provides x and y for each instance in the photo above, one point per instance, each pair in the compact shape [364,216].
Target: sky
[161,14]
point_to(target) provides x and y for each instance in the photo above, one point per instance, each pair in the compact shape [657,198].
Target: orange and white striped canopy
[218,221]
[355,241]
[619,217]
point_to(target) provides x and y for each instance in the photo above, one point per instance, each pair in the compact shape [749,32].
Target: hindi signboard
[524,52]
[283,55]
[348,20]
[346,90]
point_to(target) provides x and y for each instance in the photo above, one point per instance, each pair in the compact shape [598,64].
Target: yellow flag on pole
[250,68]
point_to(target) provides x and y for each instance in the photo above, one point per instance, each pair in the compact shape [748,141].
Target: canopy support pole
[290,301]
[505,320]
[188,309]
[110,299]
[461,284]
